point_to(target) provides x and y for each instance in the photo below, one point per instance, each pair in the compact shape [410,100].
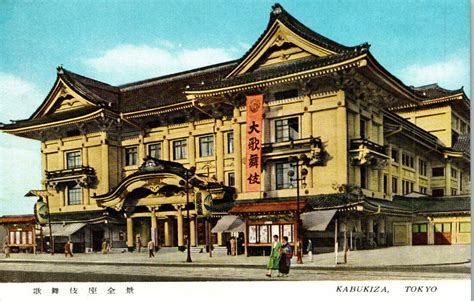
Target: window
[286,129]
[206,146]
[131,156]
[465,227]
[394,185]
[407,187]
[408,161]
[282,179]
[422,167]
[73,159]
[454,173]
[231,179]
[463,127]
[460,181]
[395,155]
[419,228]
[154,150]
[437,171]
[423,190]
[442,227]
[437,192]
[363,177]
[180,149]
[385,184]
[363,128]
[230,143]
[74,195]
[454,191]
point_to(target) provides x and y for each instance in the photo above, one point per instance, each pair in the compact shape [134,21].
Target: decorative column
[141,149]
[166,146]
[154,227]
[370,228]
[85,162]
[219,151]
[130,239]
[191,146]
[179,217]
[167,229]
[192,236]
[341,140]
[389,179]
[237,151]
[307,130]
[104,179]
[447,176]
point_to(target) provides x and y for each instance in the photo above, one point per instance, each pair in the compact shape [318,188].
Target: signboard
[254,142]
[41,212]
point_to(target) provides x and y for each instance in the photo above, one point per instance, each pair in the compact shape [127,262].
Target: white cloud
[451,73]
[18,97]
[125,63]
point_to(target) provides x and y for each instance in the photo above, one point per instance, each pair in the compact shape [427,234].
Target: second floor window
[131,156]
[180,149]
[154,150]
[437,172]
[74,195]
[422,166]
[454,173]
[206,146]
[408,161]
[286,129]
[230,143]
[73,159]
[407,187]
[283,180]
[394,155]
[394,185]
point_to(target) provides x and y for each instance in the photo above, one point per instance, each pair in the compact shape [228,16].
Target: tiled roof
[463,144]
[13,219]
[50,118]
[282,69]
[433,91]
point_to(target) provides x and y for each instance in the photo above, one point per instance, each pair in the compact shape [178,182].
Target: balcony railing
[70,172]
[356,143]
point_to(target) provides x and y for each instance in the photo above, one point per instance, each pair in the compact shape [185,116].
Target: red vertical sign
[254,142]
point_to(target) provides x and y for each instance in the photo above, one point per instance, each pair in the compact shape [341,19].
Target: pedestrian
[286,253]
[67,249]
[233,246]
[309,249]
[109,246]
[151,249]
[274,256]
[139,244]
[240,244]
[103,248]
[6,249]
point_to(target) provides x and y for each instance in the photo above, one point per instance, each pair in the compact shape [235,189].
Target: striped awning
[229,223]
[317,220]
[63,230]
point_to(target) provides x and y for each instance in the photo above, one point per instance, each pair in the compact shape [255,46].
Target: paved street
[420,262]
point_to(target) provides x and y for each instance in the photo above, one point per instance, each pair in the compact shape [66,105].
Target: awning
[63,230]
[317,220]
[229,223]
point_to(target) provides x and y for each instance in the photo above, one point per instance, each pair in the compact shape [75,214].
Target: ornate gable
[285,39]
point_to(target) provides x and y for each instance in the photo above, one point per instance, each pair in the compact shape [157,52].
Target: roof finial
[277,9]
[60,69]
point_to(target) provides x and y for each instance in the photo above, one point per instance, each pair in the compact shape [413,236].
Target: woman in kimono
[286,253]
[274,256]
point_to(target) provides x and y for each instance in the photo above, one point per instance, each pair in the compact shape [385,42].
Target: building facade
[127,163]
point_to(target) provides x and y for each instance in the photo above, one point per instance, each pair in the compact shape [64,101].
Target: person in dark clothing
[286,253]
[227,244]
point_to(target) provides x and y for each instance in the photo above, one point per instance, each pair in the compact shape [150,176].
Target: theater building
[391,161]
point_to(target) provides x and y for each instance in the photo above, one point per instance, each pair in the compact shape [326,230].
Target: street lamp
[188,174]
[291,174]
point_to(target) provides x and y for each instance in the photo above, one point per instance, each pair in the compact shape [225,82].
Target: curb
[441,267]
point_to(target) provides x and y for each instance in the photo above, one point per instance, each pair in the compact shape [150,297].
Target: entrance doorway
[419,234]
[442,233]
[97,237]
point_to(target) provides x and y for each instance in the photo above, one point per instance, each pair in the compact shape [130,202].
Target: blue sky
[122,41]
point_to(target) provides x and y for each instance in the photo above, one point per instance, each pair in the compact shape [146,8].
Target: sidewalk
[406,257]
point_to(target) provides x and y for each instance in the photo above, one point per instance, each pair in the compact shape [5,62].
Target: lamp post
[188,174]
[291,174]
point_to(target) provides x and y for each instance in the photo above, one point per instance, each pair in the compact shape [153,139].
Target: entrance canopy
[229,223]
[317,220]
[60,230]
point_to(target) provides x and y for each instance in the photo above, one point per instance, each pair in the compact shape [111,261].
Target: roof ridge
[62,71]
[173,76]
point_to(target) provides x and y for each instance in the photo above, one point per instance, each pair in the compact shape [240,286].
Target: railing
[356,143]
[74,171]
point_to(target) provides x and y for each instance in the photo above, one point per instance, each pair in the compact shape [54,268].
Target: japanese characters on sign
[254,142]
